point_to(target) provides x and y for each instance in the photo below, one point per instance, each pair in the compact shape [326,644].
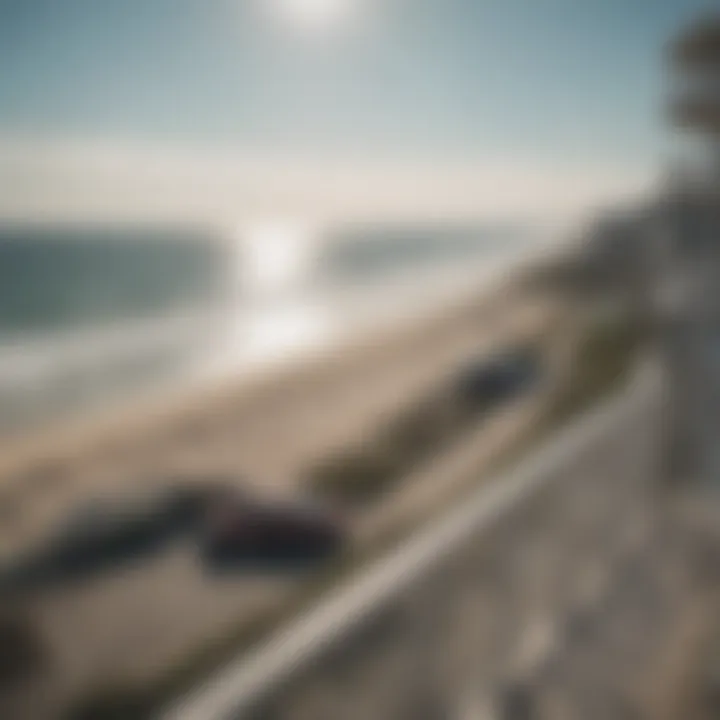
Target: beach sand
[262,428]
[266,432]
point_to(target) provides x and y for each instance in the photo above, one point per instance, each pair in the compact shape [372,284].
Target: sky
[372,106]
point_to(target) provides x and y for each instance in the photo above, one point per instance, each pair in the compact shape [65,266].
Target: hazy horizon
[326,110]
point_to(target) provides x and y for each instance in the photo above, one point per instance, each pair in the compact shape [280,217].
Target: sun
[273,255]
[313,15]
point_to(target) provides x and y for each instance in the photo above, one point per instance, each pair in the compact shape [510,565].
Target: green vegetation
[606,349]
[364,474]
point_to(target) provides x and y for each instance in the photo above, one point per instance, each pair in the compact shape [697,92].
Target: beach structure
[687,256]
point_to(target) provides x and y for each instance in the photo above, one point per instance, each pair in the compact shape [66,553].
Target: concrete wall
[491,613]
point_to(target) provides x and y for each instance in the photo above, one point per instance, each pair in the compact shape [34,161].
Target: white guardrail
[235,690]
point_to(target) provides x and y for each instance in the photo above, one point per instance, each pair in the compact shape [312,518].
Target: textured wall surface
[506,617]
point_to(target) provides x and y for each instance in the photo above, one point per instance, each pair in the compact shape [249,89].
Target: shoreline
[318,406]
[126,423]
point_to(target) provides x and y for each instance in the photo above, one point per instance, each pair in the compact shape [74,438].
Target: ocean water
[95,316]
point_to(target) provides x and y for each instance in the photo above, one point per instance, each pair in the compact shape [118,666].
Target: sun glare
[314,15]
[274,255]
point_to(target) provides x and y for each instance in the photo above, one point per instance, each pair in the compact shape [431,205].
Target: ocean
[92,316]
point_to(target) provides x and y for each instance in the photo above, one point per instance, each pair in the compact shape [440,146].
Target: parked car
[485,382]
[246,532]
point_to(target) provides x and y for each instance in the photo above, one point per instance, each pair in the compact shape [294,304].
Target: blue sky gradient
[415,77]
[464,106]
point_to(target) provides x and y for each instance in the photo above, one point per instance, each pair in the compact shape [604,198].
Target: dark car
[486,382]
[106,534]
[263,534]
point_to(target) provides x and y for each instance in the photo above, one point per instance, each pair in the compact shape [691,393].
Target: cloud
[90,179]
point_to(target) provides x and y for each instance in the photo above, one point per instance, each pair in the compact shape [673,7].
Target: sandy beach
[263,427]
[266,434]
